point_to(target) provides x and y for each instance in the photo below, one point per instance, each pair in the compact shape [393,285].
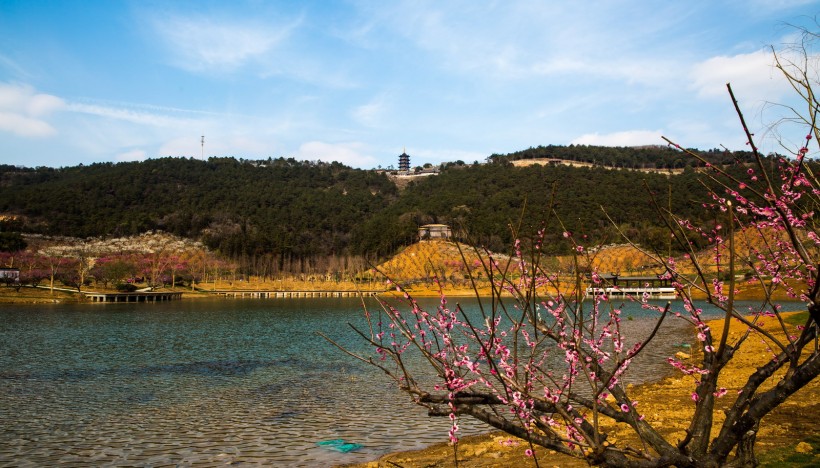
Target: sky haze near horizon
[359,81]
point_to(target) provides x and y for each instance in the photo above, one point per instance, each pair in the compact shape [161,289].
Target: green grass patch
[798,319]
[789,457]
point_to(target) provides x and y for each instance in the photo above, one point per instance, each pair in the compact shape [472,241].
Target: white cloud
[133,155]
[372,113]
[204,44]
[351,154]
[751,75]
[529,40]
[130,115]
[25,126]
[23,111]
[626,138]
[43,105]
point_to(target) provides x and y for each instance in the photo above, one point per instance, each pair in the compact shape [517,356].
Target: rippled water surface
[208,382]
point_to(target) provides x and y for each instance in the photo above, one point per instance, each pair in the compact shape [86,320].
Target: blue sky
[360,81]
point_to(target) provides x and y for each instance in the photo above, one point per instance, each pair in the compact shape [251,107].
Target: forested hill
[486,200]
[250,207]
[287,208]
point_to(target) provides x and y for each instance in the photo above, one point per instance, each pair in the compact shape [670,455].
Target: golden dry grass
[623,259]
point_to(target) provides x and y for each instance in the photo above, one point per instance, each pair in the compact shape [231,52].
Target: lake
[207,382]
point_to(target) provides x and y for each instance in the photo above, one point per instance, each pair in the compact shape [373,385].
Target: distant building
[434,231]
[404,162]
[10,275]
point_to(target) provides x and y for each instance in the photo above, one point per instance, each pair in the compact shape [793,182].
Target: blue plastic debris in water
[339,445]
[330,442]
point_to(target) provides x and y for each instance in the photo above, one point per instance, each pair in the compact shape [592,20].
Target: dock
[654,287]
[286,294]
[133,297]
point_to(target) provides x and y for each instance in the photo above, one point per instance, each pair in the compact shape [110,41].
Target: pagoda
[404,161]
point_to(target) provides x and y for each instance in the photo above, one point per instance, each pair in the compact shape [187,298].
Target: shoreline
[665,403]
[43,295]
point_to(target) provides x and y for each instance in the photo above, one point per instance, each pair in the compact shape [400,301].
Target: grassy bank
[30,295]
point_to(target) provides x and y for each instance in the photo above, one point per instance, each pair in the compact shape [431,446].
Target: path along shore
[666,404]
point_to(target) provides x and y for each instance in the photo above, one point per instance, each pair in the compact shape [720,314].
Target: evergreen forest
[290,212]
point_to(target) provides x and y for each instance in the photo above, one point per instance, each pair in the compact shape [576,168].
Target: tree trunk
[745,456]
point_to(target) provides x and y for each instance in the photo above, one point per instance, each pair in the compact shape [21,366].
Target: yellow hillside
[419,265]
[424,267]
[621,259]
[430,260]
[749,243]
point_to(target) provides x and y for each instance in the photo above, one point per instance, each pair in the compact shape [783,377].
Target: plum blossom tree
[158,254]
[540,362]
[114,268]
[32,268]
[161,253]
[60,263]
